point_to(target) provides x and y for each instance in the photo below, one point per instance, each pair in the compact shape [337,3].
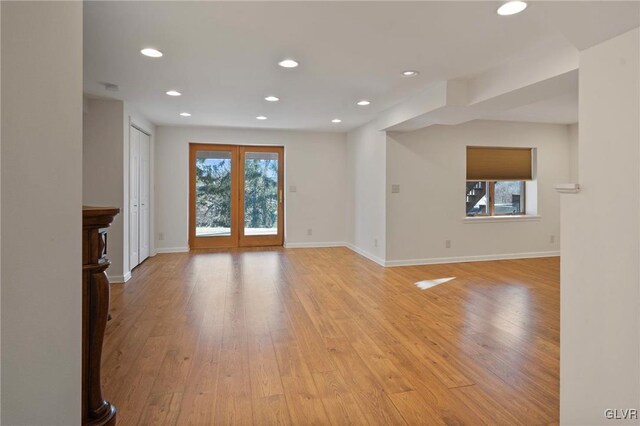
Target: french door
[236,196]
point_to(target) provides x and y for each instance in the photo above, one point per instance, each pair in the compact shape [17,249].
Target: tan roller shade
[484,163]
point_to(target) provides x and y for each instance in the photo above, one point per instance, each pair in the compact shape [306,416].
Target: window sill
[490,219]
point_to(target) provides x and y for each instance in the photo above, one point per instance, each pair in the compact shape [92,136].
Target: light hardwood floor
[324,336]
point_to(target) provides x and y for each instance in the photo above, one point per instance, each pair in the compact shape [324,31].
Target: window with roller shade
[496,180]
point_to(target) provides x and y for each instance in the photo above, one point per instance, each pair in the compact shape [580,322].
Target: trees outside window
[213,193]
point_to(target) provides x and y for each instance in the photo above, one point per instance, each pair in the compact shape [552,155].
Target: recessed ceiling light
[150,52]
[410,73]
[512,7]
[261,117]
[185,114]
[272,98]
[336,120]
[288,63]
[363,102]
[111,87]
[173,93]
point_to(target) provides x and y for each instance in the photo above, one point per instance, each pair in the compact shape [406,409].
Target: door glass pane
[508,197]
[213,193]
[261,193]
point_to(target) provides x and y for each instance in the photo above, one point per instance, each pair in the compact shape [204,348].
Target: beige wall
[366,167]
[314,163]
[106,124]
[102,180]
[430,167]
[600,281]
[574,145]
[41,212]
[0,229]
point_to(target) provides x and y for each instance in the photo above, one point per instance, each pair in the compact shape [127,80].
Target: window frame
[491,187]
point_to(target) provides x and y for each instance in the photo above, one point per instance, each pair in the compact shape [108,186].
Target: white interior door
[134,197]
[145,155]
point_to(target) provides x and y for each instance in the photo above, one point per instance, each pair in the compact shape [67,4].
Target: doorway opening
[236,196]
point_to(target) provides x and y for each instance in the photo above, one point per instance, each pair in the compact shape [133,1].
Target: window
[496,180]
[495,198]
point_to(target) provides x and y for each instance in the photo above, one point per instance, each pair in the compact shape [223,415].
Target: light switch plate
[293,188]
[395,188]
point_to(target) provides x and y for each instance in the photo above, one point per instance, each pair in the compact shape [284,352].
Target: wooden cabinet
[95,310]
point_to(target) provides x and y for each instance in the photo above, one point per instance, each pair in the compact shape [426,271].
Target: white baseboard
[119,279]
[461,259]
[172,249]
[314,245]
[365,254]
[337,244]
[379,261]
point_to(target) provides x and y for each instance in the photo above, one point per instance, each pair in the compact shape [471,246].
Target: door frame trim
[237,225]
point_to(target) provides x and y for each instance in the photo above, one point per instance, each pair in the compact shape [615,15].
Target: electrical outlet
[552,239]
[447,243]
[161,236]
[309,231]
[395,188]
[293,188]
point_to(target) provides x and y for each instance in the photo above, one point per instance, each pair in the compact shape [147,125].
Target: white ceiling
[223,55]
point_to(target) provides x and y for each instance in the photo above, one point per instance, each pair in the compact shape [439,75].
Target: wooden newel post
[95,309]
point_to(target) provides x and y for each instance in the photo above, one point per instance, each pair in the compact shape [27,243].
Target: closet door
[144,195]
[134,197]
